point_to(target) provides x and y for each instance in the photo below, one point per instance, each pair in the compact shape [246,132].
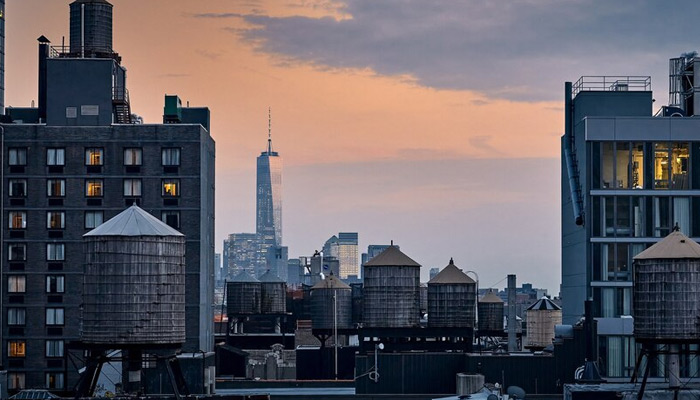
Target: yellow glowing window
[17,349]
[93,188]
[171,188]
[93,156]
[18,220]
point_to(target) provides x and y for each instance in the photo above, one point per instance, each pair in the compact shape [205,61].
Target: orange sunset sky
[433,124]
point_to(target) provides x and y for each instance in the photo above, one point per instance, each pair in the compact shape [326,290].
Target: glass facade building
[627,179]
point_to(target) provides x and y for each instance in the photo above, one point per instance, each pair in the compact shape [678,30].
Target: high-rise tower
[269,195]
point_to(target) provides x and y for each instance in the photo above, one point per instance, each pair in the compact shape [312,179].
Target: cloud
[174,76]
[214,56]
[518,50]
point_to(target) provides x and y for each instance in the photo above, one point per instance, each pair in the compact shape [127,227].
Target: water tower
[133,296]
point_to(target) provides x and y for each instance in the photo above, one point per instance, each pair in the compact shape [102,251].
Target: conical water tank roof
[244,277]
[134,221]
[544,304]
[270,277]
[451,275]
[490,297]
[674,246]
[391,257]
[331,282]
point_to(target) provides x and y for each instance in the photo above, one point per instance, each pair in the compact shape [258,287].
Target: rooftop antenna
[269,130]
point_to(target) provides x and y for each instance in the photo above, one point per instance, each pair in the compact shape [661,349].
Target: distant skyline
[433,124]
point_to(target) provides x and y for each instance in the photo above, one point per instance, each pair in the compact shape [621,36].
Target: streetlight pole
[2,235]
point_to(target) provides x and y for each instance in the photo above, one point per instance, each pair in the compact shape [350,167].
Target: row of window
[54,284]
[644,216]
[54,380]
[93,187]
[93,219]
[18,348]
[94,156]
[18,316]
[638,165]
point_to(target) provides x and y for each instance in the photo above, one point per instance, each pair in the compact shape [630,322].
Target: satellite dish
[515,392]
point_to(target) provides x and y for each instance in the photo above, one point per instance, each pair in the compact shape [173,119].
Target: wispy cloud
[212,55]
[174,75]
[520,50]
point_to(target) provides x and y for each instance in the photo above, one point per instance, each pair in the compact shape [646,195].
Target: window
[171,156]
[15,316]
[637,166]
[661,174]
[54,380]
[132,156]
[15,380]
[55,187]
[54,348]
[17,252]
[93,188]
[16,348]
[55,284]
[93,219]
[55,156]
[18,188]
[679,166]
[54,316]
[172,218]
[55,220]
[55,251]
[132,187]
[171,188]
[17,220]
[617,354]
[18,156]
[16,284]
[94,156]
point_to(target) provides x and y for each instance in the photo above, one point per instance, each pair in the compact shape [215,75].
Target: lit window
[55,156]
[54,316]
[15,316]
[55,284]
[18,156]
[17,252]
[55,187]
[132,187]
[93,188]
[55,220]
[54,348]
[17,284]
[93,219]
[15,380]
[93,156]
[171,156]
[18,188]
[132,156]
[54,380]
[55,251]
[172,218]
[17,220]
[171,188]
[17,348]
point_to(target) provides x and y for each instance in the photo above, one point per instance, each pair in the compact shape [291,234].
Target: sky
[434,124]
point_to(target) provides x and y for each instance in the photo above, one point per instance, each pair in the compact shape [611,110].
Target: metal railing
[612,84]
[64,51]
[120,94]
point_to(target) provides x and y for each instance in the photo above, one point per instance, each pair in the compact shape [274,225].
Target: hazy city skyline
[436,125]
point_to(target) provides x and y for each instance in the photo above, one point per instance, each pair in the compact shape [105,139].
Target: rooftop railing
[612,84]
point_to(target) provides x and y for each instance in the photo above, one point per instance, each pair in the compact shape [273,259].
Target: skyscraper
[348,254]
[268,225]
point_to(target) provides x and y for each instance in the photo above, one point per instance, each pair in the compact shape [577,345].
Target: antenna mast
[269,130]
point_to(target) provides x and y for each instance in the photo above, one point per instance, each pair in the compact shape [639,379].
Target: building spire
[269,130]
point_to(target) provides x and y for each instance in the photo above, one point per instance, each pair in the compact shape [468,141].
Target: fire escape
[121,106]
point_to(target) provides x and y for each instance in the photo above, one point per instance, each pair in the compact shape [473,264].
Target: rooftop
[134,221]
[612,84]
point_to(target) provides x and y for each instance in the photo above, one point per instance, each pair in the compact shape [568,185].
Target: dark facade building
[2,56]
[65,177]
